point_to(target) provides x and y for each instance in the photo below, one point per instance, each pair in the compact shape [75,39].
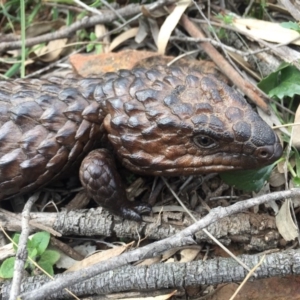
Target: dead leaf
[123,37]
[285,223]
[149,261]
[65,261]
[7,251]
[101,30]
[189,254]
[160,297]
[279,288]
[97,257]
[296,130]
[169,25]
[268,31]
[276,179]
[240,60]
[52,50]
[40,28]
[143,30]
[169,253]
[85,65]
[154,29]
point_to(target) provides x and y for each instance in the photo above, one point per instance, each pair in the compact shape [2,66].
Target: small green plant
[94,45]
[37,252]
[227,20]
[258,10]
[291,25]
[248,180]
[284,82]
[295,172]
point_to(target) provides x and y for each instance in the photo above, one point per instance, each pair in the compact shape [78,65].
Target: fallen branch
[185,237]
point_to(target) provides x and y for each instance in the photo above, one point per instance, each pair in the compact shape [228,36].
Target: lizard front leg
[103,183]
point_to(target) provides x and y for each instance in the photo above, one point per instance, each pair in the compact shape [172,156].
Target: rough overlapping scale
[10,135]
[163,121]
[32,139]
[49,146]
[43,130]
[181,107]
[26,115]
[74,110]
[93,113]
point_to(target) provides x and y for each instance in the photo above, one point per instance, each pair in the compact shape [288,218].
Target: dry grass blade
[169,25]
[268,31]
[204,230]
[123,37]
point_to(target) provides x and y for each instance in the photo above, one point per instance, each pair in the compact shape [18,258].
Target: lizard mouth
[214,163]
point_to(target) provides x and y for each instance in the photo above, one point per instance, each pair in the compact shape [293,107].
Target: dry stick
[256,95]
[204,230]
[78,223]
[174,275]
[124,25]
[22,253]
[268,46]
[292,8]
[247,277]
[227,56]
[185,237]
[66,32]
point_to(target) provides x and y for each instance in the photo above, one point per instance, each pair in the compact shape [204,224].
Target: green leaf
[7,268]
[296,181]
[40,241]
[248,180]
[30,246]
[283,82]
[288,85]
[50,256]
[47,267]
[93,36]
[297,161]
[32,253]
[90,47]
[99,48]
[271,81]
[16,238]
[227,19]
[291,25]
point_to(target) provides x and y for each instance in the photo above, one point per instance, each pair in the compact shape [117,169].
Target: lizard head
[176,122]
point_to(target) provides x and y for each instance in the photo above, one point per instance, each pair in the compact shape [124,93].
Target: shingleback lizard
[161,121]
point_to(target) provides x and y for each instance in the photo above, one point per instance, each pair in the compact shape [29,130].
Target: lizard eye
[204,141]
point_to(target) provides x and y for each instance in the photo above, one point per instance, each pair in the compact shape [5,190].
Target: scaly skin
[164,121]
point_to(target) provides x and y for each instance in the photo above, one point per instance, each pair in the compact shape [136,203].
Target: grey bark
[252,231]
[173,275]
[183,238]
[108,17]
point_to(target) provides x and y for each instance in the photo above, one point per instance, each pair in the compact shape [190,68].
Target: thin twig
[93,10]
[128,11]
[255,94]
[247,277]
[22,253]
[204,230]
[185,237]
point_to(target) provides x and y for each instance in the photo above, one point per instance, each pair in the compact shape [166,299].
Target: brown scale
[163,121]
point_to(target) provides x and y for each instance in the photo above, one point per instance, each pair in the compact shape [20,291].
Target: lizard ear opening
[204,141]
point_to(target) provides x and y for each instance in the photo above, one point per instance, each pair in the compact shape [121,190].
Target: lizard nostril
[270,152]
[263,153]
